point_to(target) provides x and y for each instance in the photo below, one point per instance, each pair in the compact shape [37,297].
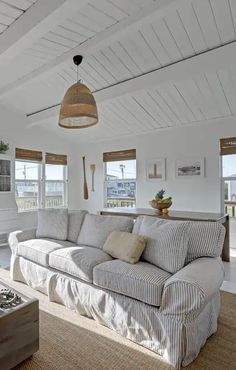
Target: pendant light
[78,107]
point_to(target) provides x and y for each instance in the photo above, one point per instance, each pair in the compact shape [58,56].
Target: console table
[223,218]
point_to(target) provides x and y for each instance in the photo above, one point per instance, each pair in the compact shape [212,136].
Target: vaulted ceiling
[151,64]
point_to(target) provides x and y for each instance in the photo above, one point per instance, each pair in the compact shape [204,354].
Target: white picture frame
[190,168]
[156,169]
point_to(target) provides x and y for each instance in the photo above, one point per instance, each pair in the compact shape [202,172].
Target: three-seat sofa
[171,313]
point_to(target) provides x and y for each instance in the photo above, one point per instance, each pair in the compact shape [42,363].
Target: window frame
[105,181]
[41,199]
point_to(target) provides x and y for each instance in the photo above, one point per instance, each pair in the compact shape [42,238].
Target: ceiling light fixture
[78,107]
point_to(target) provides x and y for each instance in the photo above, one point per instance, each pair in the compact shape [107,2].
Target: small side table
[19,331]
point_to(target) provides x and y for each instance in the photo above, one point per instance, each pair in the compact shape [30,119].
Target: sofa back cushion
[206,239]
[75,221]
[167,241]
[52,223]
[96,229]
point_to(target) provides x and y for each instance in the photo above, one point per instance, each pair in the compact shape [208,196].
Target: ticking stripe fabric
[167,241]
[206,239]
[78,261]
[38,250]
[187,292]
[52,223]
[75,221]
[142,281]
[97,228]
[161,330]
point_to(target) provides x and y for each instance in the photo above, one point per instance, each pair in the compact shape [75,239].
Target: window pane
[26,170]
[54,172]
[121,170]
[229,165]
[26,195]
[54,193]
[121,184]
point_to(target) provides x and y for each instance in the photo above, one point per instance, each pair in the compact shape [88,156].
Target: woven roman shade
[28,155]
[121,155]
[228,146]
[58,159]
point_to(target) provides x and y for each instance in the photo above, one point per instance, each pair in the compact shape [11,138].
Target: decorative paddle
[85,181]
[92,168]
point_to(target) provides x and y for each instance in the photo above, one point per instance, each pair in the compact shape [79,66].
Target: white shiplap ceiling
[122,41]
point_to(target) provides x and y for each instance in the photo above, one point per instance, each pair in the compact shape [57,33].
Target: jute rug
[72,342]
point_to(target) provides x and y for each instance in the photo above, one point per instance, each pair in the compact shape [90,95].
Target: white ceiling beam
[39,19]
[132,23]
[212,60]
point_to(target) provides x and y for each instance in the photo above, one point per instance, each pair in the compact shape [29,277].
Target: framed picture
[189,168]
[156,169]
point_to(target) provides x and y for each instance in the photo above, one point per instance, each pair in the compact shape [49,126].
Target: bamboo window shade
[28,155]
[57,159]
[121,155]
[228,146]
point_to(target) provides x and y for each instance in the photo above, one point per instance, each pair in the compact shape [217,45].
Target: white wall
[14,130]
[196,194]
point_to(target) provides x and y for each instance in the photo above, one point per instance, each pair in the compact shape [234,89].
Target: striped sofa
[171,309]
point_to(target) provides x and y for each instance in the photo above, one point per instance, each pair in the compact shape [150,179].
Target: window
[55,186]
[120,178]
[38,184]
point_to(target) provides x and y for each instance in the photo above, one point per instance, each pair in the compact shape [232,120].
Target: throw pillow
[167,242]
[125,246]
[52,223]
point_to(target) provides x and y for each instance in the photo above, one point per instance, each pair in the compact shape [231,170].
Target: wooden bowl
[157,204]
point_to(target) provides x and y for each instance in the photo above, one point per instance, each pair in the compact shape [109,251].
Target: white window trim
[105,181]
[42,185]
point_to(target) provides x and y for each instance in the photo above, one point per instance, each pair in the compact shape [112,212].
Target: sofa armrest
[187,292]
[19,236]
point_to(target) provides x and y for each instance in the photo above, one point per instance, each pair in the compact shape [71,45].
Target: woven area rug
[72,342]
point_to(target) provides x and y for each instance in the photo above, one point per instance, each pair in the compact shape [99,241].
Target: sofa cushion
[38,250]
[141,281]
[206,239]
[97,228]
[125,246]
[167,241]
[52,223]
[78,261]
[75,220]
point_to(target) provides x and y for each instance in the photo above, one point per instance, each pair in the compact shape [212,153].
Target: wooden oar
[92,168]
[85,181]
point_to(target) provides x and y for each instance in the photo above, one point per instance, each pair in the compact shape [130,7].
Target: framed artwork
[189,168]
[156,169]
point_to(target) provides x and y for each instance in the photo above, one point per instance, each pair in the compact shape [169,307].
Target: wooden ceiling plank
[103,39]
[205,17]
[33,24]
[223,18]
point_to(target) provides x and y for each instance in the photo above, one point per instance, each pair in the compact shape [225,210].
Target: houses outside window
[38,183]
[120,178]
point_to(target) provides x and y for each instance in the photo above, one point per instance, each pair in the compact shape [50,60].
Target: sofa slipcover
[97,228]
[205,240]
[38,250]
[78,261]
[52,223]
[166,241]
[75,221]
[142,280]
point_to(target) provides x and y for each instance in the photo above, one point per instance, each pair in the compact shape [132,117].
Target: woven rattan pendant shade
[78,108]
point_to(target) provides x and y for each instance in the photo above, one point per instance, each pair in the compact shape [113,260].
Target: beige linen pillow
[125,246]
